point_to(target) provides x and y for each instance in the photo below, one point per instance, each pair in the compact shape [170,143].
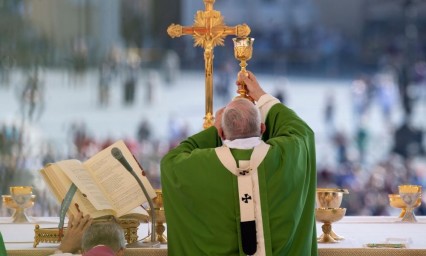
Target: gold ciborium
[20,198]
[396,202]
[330,198]
[410,194]
[160,218]
[328,216]
[243,50]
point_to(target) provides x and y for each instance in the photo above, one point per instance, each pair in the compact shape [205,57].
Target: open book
[104,186]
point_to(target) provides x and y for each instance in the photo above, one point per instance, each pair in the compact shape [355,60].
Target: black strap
[248,237]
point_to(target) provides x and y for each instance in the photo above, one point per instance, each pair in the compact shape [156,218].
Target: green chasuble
[201,196]
[3,251]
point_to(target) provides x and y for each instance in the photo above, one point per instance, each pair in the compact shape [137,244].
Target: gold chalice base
[18,215]
[51,235]
[328,216]
[396,202]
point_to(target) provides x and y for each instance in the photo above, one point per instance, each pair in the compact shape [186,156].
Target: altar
[358,231]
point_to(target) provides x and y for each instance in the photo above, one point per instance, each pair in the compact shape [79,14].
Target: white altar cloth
[357,231]
[361,230]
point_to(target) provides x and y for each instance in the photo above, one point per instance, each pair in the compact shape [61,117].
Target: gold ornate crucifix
[208,30]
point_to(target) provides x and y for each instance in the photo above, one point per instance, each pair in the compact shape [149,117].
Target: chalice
[22,198]
[328,216]
[410,194]
[330,198]
[160,218]
[243,50]
[396,202]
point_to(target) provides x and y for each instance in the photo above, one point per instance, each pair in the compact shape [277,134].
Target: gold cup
[410,194]
[396,202]
[11,204]
[243,51]
[160,218]
[328,216]
[21,198]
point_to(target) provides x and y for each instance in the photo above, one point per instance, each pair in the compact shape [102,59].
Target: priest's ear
[218,120]
[262,128]
[221,133]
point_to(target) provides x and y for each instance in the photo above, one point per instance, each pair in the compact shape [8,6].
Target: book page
[83,179]
[117,183]
[59,184]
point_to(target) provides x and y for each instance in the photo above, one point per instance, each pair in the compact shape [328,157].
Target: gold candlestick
[243,50]
[160,218]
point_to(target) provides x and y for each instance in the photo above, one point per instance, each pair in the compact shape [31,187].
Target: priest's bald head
[239,119]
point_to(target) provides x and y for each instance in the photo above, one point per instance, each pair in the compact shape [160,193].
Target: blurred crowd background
[376,48]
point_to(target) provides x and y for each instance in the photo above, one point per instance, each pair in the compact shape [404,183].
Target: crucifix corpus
[208,30]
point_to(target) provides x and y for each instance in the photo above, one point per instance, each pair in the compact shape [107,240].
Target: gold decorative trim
[174,30]
[51,235]
[46,235]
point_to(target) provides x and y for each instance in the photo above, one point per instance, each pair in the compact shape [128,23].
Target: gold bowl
[21,190]
[10,203]
[329,215]
[396,202]
[243,48]
[410,189]
[330,197]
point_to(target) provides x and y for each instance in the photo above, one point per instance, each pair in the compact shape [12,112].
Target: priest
[245,186]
